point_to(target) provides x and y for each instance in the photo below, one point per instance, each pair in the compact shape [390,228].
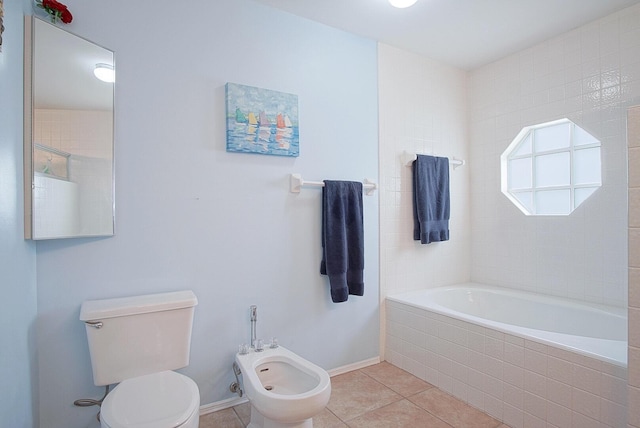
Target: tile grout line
[406,398]
[372,410]
[402,397]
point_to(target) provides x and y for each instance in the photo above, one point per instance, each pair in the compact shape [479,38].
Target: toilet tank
[135,336]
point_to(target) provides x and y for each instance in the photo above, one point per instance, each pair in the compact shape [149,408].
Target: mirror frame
[29,144]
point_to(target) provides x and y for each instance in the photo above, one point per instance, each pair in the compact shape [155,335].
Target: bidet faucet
[254,317]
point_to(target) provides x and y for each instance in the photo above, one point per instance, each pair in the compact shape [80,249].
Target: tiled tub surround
[589,75]
[520,381]
[589,329]
[633,135]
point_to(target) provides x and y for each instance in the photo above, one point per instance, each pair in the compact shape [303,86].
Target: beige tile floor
[378,396]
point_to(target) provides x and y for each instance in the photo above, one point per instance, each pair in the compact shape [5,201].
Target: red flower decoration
[56,10]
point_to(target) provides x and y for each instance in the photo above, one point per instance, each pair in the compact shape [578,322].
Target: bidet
[284,389]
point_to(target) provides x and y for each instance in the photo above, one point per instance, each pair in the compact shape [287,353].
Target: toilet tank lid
[110,308]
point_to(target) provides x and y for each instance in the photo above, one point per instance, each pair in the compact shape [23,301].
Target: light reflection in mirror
[70,136]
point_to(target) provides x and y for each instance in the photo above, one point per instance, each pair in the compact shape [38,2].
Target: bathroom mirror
[68,132]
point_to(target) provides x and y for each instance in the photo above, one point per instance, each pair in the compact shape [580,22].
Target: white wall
[189,215]
[422,110]
[589,75]
[18,396]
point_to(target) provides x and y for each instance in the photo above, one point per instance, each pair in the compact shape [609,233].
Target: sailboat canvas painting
[261,121]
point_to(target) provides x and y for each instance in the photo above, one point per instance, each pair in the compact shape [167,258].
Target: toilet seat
[166,399]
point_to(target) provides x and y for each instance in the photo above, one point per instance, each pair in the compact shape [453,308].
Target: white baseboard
[355,366]
[205,409]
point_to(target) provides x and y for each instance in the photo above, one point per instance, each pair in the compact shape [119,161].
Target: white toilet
[137,342]
[284,389]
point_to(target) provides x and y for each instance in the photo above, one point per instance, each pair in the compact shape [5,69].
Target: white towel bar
[296,182]
[408,158]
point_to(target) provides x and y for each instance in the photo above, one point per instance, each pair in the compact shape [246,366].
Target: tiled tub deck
[521,382]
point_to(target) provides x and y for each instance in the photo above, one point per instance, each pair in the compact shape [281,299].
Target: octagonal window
[551,168]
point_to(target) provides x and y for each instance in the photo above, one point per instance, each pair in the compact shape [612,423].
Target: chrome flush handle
[94,324]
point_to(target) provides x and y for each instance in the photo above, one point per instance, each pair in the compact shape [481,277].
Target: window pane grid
[572,199]
[551,152]
[569,174]
[586,185]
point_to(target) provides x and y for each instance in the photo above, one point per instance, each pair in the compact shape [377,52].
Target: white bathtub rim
[610,351]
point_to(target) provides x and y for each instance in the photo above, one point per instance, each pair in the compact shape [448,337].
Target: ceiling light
[401,4]
[105,72]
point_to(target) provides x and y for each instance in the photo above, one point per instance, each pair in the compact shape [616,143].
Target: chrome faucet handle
[243,349]
[274,343]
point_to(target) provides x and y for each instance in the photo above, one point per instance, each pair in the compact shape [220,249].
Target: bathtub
[589,329]
[524,358]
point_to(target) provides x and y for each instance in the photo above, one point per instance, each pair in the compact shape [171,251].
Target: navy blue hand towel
[430,199]
[343,238]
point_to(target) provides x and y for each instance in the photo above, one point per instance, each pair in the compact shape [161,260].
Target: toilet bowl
[284,389]
[165,399]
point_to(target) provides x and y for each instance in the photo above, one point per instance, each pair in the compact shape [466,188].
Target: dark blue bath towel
[430,199]
[343,238]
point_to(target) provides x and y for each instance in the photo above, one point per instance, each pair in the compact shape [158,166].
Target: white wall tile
[535,361]
[633,132]
[513,416]
[513,395]
[558,415]
[460,389]
[634,366]
[494,407]
[423,109]
[493,386]
[514,354]
[494,347]
[535,405]
[632,411]
[614,388]
[613,414]
[634,243]
[578,420]
[476,397]
[614,370]
[586,379]
[559,393]
[591,92]
[634,331]
[559,369]
[535,383]
[585,403]
[513,375]
[634,284]
[554,380]
[416,368]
